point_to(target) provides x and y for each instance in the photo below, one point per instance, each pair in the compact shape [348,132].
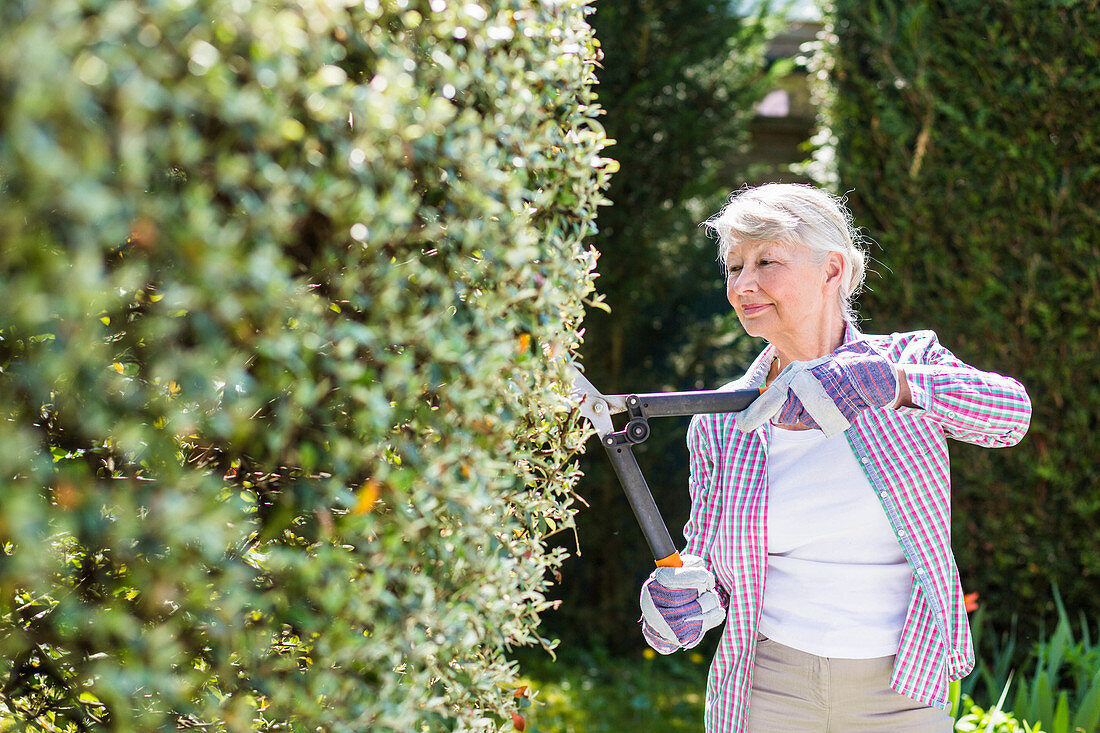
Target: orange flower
[970,602]
[368,495]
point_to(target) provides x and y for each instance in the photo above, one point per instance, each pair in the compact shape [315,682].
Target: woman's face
[780,293]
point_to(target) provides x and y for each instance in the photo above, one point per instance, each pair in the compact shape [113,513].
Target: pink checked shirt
[904,454]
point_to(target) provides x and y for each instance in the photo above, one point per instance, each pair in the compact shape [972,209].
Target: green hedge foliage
[281,444]
[963,133]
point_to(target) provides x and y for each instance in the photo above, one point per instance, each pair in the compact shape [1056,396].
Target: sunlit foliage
[281,441]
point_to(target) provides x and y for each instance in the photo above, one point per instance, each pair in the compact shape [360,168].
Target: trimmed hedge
[281,446]
[964,134]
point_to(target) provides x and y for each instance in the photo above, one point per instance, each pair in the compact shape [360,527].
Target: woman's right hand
[855,377]
[826,393]
[680,605]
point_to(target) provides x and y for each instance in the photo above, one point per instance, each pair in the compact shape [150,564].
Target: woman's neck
[810,346]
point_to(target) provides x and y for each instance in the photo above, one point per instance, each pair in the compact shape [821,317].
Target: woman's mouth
[750,309]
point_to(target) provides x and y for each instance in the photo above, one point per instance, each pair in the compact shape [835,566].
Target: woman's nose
[743,281]
[737,284]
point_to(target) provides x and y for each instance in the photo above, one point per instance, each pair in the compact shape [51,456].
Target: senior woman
[820,516]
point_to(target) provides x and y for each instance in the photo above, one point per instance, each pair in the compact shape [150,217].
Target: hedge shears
[598,409]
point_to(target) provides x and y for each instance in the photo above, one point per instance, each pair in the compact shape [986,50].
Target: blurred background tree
[679,83]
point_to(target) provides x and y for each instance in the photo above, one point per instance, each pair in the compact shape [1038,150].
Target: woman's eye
[733,268]
[765,262]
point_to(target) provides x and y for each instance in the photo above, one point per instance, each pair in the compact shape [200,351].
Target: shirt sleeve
[984,408]
[701,482]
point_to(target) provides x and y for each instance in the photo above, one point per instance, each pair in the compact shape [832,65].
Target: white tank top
[838,584]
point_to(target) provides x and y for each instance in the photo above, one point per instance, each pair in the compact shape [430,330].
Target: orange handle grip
[672,561]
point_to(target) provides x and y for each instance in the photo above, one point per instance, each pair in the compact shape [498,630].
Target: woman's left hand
[855,377]
[680,605]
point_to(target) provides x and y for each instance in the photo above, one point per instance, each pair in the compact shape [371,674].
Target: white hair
[796,214]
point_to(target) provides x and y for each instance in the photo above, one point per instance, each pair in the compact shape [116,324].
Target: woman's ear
[834,271]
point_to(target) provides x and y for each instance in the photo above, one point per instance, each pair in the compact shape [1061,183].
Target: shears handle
[641,501]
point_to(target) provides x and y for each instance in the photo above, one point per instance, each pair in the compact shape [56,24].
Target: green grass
[593,692]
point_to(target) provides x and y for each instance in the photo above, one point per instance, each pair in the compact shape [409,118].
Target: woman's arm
[984,408]
[905,397]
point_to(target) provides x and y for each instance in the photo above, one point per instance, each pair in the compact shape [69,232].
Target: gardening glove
[680,605]
[826,393]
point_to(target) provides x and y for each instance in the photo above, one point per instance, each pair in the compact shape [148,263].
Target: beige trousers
[796,692]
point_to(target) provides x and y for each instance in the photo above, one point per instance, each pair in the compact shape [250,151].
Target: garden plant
[282,442]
